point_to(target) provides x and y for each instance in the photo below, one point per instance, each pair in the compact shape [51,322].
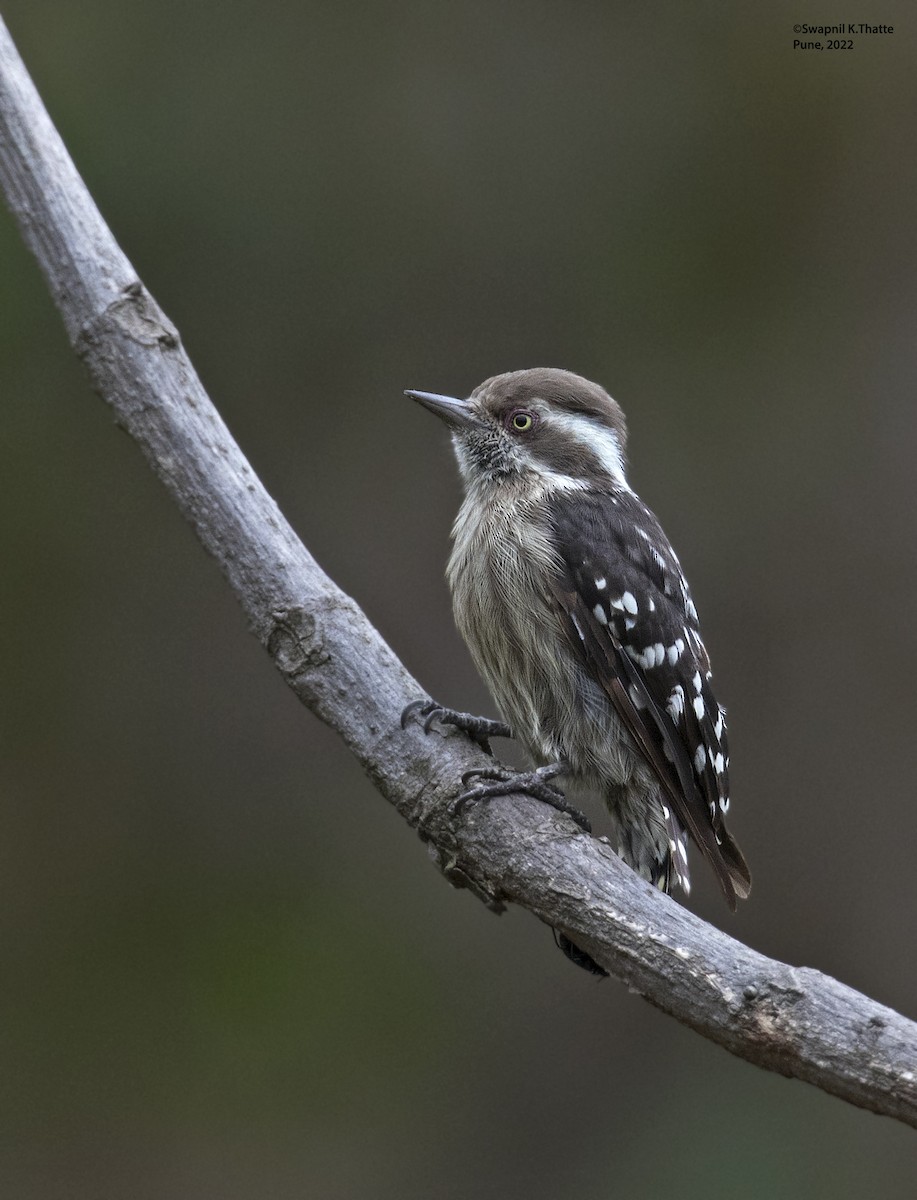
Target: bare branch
[792,1020]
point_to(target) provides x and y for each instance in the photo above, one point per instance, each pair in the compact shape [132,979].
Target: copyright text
[839,37]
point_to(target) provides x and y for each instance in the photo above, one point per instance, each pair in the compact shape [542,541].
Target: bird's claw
[416,707]
[501,782]
[479,729]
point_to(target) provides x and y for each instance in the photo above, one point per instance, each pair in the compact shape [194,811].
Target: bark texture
[792,1020]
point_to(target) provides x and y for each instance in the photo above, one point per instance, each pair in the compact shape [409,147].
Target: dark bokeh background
[228,969]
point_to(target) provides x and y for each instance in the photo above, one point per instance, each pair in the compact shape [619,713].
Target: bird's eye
[522,422]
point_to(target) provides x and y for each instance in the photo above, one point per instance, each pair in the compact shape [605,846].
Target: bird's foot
[479,729]
[500,781]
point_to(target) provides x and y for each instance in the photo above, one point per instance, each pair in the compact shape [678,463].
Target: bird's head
[545,424]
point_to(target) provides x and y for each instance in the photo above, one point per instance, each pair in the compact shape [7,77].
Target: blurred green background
[228,969]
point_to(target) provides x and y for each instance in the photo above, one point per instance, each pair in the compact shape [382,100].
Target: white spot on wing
[697,681]
[629,602]
[675,704]
[699,708]
[651,656]
[601,584]
[700,758]
[600,615]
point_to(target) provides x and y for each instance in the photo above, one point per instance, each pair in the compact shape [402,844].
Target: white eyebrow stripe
[601,441]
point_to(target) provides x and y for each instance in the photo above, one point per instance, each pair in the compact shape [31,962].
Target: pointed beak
[456,413]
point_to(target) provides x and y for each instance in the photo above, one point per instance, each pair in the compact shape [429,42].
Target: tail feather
[663,860]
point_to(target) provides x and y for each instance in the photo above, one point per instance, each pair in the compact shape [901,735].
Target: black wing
[630,618]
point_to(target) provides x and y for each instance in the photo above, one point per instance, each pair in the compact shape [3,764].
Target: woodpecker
[579,618]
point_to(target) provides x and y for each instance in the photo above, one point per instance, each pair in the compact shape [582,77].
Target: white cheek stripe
[555,481]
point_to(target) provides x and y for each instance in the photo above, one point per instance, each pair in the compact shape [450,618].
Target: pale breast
[498,572]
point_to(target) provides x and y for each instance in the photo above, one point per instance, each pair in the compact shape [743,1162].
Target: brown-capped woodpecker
[577,614]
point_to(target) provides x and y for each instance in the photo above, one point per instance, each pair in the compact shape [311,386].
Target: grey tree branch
[792,1020]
